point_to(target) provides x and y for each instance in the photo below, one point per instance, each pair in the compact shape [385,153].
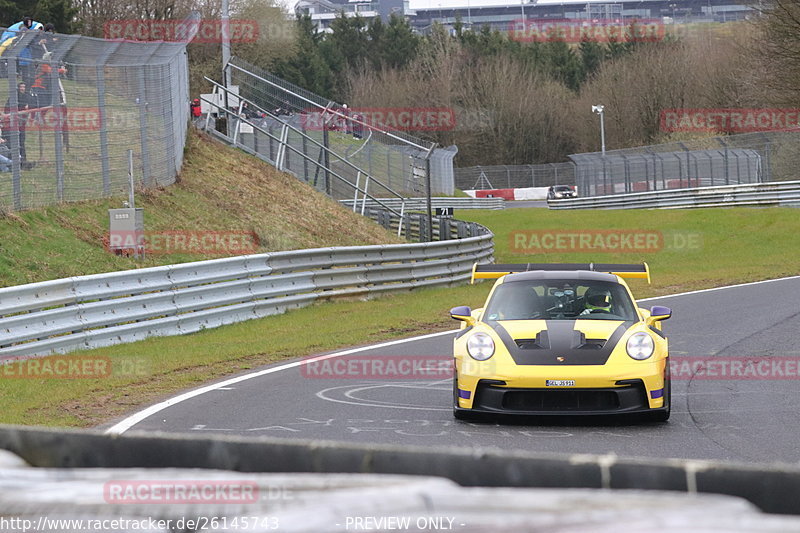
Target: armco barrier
[759,194]
[519,193]
[103,309]
[420,204]
[773,488]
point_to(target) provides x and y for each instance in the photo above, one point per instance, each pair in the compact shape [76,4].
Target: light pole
[226,45]
[599,110]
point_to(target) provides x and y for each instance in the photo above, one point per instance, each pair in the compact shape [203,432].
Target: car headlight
[640,346]
[480,346]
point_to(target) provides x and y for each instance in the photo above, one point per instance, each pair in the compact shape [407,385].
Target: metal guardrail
[118,307]
[759,194]
[419,204]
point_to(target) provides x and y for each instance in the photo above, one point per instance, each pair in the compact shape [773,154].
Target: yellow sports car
[558,339]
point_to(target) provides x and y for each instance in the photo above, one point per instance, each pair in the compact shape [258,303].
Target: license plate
[560,382]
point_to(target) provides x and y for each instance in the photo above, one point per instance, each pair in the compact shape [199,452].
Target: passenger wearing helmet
[521,305]
[596,301]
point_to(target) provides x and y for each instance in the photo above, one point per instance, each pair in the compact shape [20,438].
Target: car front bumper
[490,398]
[601,389]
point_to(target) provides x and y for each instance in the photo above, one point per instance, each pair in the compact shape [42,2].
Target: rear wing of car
[489,271]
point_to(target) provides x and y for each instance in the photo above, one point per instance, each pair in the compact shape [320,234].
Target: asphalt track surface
[753,420]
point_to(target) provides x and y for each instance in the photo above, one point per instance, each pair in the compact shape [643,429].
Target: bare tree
[779,50]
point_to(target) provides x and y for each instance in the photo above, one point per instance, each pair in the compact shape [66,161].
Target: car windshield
[560,300]
[562,188]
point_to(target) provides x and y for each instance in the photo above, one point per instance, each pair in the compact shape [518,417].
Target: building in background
[502,16]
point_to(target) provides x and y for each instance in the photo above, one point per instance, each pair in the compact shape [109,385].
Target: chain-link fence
[73,108]
[395,159]
[725,160]
[728,160]
[515,176]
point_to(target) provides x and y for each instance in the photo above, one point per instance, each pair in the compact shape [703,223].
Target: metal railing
[785,193]
[315,155]
[395,158]
[420,204]
[87,102]
[118,307]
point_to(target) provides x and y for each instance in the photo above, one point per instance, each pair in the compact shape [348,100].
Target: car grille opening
[546,400]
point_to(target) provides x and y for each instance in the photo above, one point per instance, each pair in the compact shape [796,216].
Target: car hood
[557,342]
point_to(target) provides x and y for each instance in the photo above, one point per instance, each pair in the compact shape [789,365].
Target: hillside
[220,189]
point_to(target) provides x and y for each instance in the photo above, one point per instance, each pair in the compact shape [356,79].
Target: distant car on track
[557,339]
[561,191]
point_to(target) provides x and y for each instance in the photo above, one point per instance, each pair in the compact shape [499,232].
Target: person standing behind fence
[27,23]
[25,67]
[5,154]
[23,106]
[41,93]
[358,126]
[195,109]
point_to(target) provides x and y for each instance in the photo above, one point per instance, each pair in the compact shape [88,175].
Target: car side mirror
[658,313]
[463,313]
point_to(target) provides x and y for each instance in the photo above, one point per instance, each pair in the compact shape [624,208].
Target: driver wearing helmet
[596,301]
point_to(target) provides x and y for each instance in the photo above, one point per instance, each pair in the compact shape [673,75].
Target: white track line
[135,418]
[129,422]
[717,288]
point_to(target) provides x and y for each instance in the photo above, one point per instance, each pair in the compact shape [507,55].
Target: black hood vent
[560,344]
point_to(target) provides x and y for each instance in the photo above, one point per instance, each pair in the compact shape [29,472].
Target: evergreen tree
[60,13]
[592,55]
[619,48]
[377,39]
[401,43]
[307,68]
[563,64]
[350,39]
[12,12]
